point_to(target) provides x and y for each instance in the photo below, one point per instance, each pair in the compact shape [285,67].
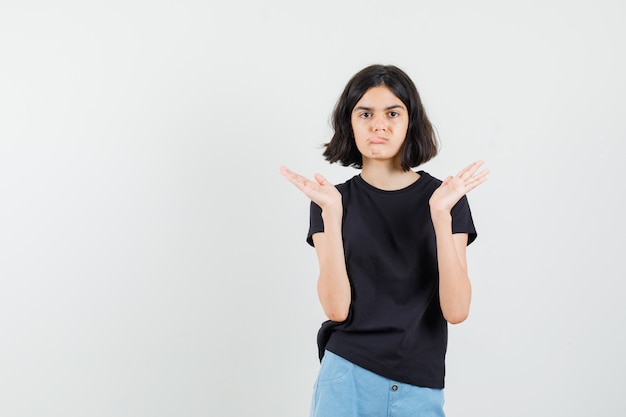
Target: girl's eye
[364,115]
[393,114]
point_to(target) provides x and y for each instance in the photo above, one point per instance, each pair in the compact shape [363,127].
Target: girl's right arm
[333,286]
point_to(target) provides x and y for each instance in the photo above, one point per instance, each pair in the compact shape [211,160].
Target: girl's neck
[387,177]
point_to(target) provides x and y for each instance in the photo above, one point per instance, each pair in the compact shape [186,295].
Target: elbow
[338,314]
[335,299]
[456,317]
[455,302]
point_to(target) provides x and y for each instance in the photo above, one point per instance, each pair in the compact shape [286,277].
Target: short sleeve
[462,221]
[316,224]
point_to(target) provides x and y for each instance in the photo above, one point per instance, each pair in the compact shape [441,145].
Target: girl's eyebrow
[394,106]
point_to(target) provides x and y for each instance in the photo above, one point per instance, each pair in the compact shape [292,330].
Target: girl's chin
[381,158]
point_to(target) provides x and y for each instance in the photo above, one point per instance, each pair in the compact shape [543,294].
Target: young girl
[391,248]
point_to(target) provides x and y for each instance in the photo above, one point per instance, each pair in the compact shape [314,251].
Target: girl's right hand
[320,191]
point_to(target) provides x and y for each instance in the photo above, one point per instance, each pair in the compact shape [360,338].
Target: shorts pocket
[333,369]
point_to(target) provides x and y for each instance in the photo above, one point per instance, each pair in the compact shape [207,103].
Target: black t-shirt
[395,327]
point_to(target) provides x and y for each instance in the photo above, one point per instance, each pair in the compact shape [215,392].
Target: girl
[391,247]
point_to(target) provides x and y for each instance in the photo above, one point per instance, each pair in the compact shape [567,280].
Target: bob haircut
[420,143]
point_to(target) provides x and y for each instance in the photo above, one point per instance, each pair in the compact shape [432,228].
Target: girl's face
[379,122]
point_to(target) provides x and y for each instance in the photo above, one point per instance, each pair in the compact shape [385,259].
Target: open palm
[453,188]
[320,191]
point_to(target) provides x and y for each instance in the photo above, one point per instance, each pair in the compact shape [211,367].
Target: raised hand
[320,191]
[453,188]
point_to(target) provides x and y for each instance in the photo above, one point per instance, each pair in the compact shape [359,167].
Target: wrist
[442,220]
[440,215]
[332,214]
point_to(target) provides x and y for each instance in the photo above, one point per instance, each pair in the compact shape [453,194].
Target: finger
[290,175]
[296,179]
[479,175]
[482,173]
[321,180]
[470,169]
[476,181]
[473,167]
[285,171]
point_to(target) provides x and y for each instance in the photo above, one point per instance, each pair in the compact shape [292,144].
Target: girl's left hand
[320,191]
[453,188]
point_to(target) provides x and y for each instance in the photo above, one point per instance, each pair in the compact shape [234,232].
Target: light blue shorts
[344,389]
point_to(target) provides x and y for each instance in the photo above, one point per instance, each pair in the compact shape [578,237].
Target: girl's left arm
[455,290]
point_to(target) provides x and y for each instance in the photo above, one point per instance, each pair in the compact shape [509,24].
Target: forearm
[333,285]
[454,284]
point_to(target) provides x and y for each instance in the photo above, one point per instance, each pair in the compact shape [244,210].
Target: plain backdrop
[153,261]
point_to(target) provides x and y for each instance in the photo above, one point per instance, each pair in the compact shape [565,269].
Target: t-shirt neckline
[414,184]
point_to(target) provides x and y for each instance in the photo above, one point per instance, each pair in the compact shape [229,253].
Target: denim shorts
[344,389]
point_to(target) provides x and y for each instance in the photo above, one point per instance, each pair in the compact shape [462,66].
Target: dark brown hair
[420,144]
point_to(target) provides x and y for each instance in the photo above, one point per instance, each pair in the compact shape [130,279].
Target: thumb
[321,180]
[446,181]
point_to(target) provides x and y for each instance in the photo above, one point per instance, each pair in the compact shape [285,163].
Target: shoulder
[347,185]
[429,179]
[428,183]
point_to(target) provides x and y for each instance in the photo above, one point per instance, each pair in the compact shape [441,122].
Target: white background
[152,259]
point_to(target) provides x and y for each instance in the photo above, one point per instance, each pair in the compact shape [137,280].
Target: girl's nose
[379,124]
